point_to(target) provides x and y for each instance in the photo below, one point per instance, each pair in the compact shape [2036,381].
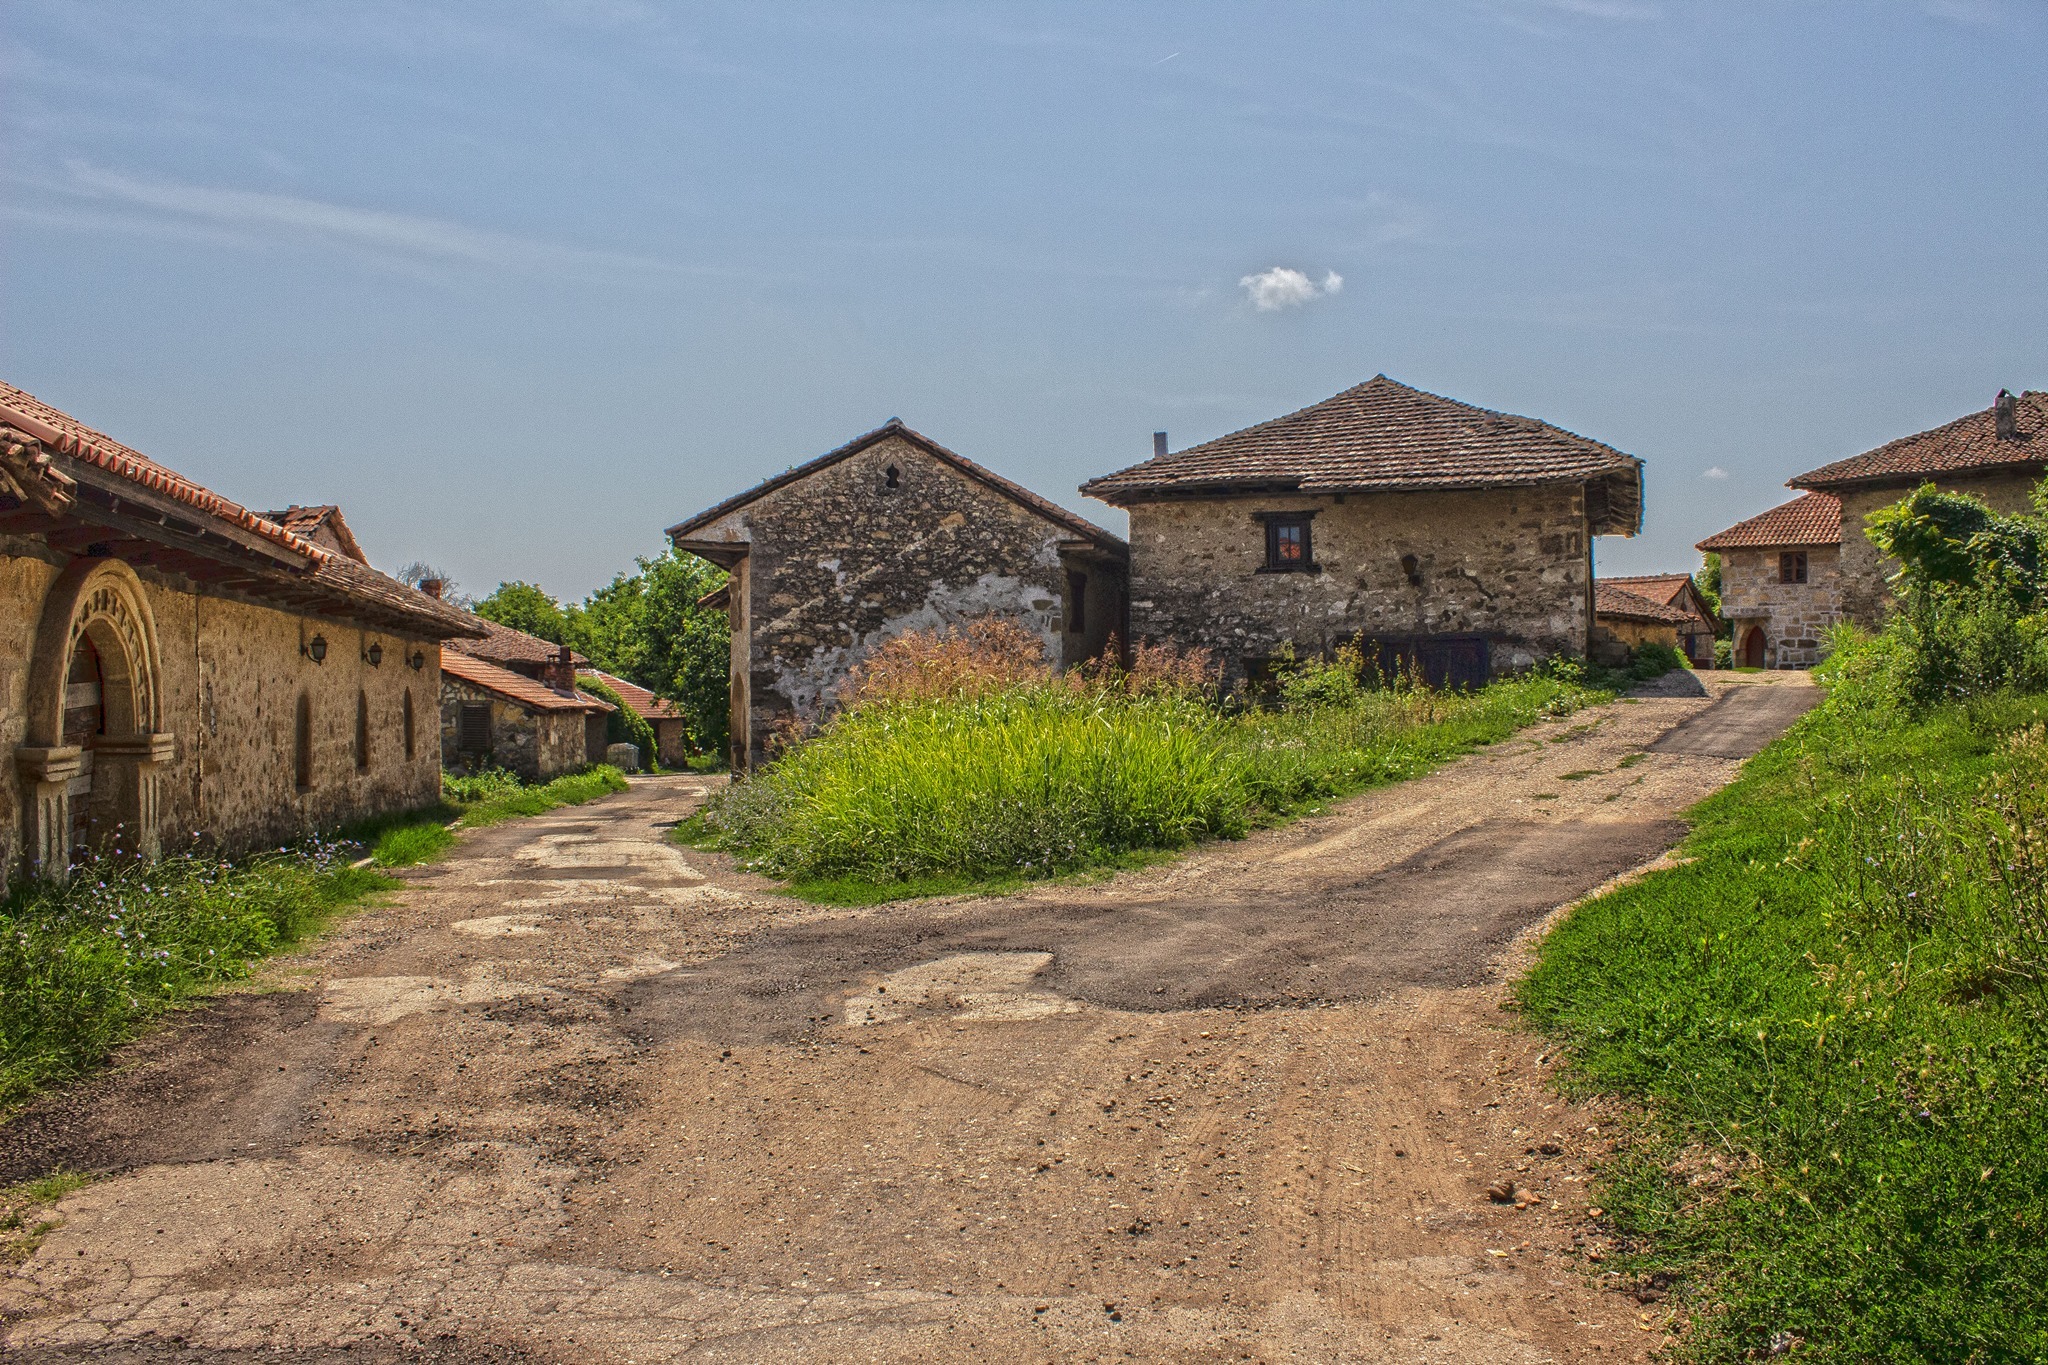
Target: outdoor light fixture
[375,654]
[317,650]
[418,660]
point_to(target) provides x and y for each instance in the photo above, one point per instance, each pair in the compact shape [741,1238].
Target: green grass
[22,1228]
[573,789]
[1834,1024]
[86,965]
[1048,779]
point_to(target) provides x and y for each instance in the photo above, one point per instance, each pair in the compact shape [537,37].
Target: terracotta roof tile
[528,692]
[306,523]
[1379,435]
[1658,587]
[1609,600]
[1811,519]
[1968,443]
[643,702]
[502,644]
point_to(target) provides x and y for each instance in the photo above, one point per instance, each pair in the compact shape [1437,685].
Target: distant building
[1630,620]
[1458,539]
[671,727]
[509,700]
[887,534]
[1699,626]
[1781,581]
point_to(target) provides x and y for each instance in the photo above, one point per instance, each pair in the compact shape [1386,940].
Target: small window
[1077,603]
[890,477]
[1792,566]
[1288,549]
[362,732]
[405,715]
[473,728]
[302,744]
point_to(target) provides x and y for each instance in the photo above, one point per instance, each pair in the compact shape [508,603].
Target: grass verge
[488,798]
[1834,1021]
[23,1225]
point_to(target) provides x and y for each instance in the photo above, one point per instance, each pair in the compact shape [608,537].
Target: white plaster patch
[501,926]
[980,987]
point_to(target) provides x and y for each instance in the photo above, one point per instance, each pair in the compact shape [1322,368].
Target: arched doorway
[1753,648]
[93,743]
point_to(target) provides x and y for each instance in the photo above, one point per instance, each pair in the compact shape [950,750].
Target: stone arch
[101,600]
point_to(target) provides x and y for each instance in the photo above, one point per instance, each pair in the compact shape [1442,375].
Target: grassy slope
[1883,1138]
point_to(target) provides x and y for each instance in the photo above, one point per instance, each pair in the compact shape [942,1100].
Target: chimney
[561,672]
[1158,443]
[2005,417]
[432,587]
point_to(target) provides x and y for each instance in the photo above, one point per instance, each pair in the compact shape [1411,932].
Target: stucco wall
[840,562]
[1794,617]
[230,674]
[537,745]
[1866,596]
[1512,565]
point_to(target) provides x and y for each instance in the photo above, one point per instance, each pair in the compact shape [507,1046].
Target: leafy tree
[624,725]
[1709,579]
[526,607]
[688,647]
[1951,540]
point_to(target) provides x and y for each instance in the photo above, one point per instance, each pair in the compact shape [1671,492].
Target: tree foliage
[526,607]
[1951,540]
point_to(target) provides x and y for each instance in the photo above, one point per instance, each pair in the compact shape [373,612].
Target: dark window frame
[1792,566]
[1274,522]
[472,716]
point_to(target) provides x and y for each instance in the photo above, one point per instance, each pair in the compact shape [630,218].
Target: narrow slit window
[891,477]
[302,744]
[362,732]
[405,716]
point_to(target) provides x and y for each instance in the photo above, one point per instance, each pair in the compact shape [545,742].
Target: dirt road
[579,1095]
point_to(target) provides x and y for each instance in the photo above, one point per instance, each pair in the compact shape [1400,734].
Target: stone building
[1456,538]
[890,533]
[671,727]
[1628,620]
[1781,581]
[174,667]
[1696,633]
[1996,455]
[509,700]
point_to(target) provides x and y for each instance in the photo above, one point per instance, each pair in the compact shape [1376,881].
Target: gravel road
[578,1095]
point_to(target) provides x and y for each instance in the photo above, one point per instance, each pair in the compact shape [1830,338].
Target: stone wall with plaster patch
[851,556]
[1511,565]
[537,745]
[1794,617]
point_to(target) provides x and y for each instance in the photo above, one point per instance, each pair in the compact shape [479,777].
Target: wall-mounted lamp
[375,655]
[1412,567]
[316,650]
[418,660]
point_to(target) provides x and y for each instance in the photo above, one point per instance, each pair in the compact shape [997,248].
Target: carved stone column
[127,786]
[46,773]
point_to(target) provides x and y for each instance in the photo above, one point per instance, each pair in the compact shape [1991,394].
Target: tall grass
[979,769]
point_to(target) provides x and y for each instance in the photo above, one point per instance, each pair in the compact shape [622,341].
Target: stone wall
[537,745]
[849,557]
[1794,617]
[1634,634]
[1866,594]
[1512,565]
[229,674]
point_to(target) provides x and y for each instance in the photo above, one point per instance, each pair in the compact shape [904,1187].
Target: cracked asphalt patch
[580,1095]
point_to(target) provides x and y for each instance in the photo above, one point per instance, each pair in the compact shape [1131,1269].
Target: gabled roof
[504,645]
[319,526]
[101,483]
[1969,443]
[1380,436]
[644,703]
[1811,519]
[530,693]
[1079,527]
[1609,600]
[1672,589]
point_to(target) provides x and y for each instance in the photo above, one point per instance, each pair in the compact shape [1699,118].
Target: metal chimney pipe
[1158,443]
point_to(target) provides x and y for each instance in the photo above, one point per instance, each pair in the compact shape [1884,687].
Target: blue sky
[520,283]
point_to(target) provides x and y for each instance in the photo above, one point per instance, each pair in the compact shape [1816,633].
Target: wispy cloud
[1604,9]
[1714,472]
[1975,13]
[252,216]
[1281,287]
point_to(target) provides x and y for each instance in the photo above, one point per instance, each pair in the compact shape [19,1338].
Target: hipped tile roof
[517,687]
[1969,443]
[1609,600]
[644,703]
[1375,436]
[64,434]
[502,644]
[1811,519]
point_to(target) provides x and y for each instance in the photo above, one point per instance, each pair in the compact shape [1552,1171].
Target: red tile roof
[1609,600]
[1658,587]
[501,644]
[1969,443]
[528,692]
[644,703]
[1080,527]
[1379,435]
[307,523]
[1812,519]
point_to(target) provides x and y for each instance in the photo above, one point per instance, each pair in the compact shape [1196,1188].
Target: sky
[520,283]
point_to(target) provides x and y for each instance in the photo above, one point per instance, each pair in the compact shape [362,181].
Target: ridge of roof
[500,642]
[1969,443]
[895,426]
[1809,519]
[529,692]
[1379,435]
[634,695]
[1608,600]
[305,522]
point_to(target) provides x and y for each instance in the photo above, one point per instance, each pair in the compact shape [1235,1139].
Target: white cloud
[1281,287]
[1975,13]
[1714,472]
